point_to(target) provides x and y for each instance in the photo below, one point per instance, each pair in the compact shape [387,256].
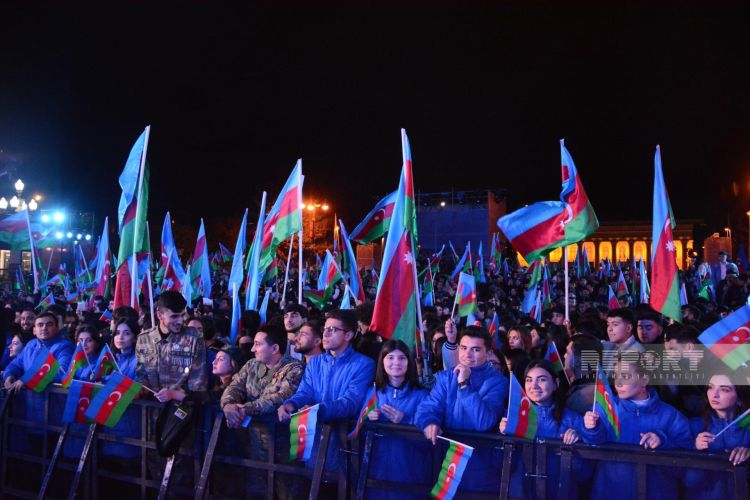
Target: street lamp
[313,207]
[729,235]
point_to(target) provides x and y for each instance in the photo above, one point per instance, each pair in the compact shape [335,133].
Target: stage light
[79,236]
[58,217]
[59,235]
[45,218]
[88,237]
[69,235]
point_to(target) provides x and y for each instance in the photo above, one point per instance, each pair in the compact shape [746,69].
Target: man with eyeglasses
[294,317]
[336,380]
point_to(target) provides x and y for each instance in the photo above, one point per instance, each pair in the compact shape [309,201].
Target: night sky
[236,93]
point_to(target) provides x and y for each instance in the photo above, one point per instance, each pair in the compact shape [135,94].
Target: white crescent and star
[112,399]
[741,338]
[42,370]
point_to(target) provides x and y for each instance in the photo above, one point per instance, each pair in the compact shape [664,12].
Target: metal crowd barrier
[352,481]
[534,455]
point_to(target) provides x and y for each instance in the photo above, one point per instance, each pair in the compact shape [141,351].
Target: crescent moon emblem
[44,369]
[84,405]
[569,216]
[112,399]
[451,471]
[741,337]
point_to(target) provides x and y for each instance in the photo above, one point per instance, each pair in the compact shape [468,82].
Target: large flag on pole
[200,273]
[103,263]
[131,217]
[235,279]
[350,260]
[285,217]
[665,284]
[395,311]
[254,271]
[375,223]
[539,228]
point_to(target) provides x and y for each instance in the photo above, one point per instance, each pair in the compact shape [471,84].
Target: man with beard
[294,316]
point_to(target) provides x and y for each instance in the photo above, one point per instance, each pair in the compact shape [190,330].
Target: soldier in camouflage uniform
[257,391]
[171,361]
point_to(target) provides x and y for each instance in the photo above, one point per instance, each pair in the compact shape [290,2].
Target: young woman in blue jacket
[645,421]
[88,336]
[725,401]
[398,393]
[117,455]
[554,421]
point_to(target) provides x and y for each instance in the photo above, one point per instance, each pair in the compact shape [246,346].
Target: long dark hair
[743,396]
[381,377]
[558,395]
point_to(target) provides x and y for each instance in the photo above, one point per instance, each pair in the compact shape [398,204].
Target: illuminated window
[622,250]
[521,260]
[590,251]
[556,255]
[605,251]
[678,252]
[572,252]
[640,251]
[690,244]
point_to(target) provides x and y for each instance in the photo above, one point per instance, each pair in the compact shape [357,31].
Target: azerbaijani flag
[113,399]
[622,286]
[729,338]
[79,399]
[46,301]
[105,364]
[79,361]
[645,291]
[106,316]
[302,429]
[329,276]
[428,289]
[350,264]
[103,263]
[395,312]
[451,470]
[604,402]
[665,285]
[371,402]
[255,273]
[235,278]
[285,217]
[200,274]
[14,230]
[42,371]
[612,302]
[495,332]
[522,414]
[375,223]
[496,253]
[464,264]
[479,271]
[539,228]
[553,356]
[466,295]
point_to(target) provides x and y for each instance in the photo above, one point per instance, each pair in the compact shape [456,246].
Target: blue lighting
[59,235]
[69,235]
[58,217]
[88,237]
[45,218]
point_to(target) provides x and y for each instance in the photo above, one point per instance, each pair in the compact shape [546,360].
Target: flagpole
[150,286]
[299,249]
[33,259]
[732,423]
[306,409]
[453,441]
[134,272]
[567,286]
[49,264]
[286,272]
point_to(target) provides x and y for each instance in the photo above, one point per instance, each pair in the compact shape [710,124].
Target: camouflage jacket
[162,363]
[261,389]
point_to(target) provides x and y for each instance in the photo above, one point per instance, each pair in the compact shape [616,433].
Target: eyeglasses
[330,330]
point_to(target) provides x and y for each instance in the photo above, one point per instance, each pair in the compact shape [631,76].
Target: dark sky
[235,93]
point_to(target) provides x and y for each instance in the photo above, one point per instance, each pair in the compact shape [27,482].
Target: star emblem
[408,258]
[376,218]
[670,246]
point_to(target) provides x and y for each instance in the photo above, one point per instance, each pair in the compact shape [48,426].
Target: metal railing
[84,473]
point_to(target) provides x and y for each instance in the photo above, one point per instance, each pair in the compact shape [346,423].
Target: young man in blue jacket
[337,380]
[469,397]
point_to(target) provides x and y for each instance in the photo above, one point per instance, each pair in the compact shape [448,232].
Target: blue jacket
[62,350]
[547,427]
[477,407]
[400,460]
[339,384]
[86,371]
[703,484]
[617,480]
[130,423]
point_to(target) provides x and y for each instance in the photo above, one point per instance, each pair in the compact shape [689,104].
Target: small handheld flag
[553,356]
[604,402]
[42,371]
[371,402]
[79,360]
[302,433]
[522,414]
[46,302]
[112,400]
[106,363]
[728,339]
[78,401]
[451,470]
[466,294]
[612,302]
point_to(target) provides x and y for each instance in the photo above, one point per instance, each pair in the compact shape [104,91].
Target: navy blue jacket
[339,385]
[615,480]
[477,407]
[708,485]
[130,423]
[400,460]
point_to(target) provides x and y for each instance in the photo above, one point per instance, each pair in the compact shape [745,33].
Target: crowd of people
[457,380]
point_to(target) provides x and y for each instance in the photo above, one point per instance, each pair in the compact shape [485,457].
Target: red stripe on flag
[106,409]
[664,268]
[41,373]
[543,234]
[451,472]
[397,289]
[731,340]
[87,390]
[302,434]
[289,204]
